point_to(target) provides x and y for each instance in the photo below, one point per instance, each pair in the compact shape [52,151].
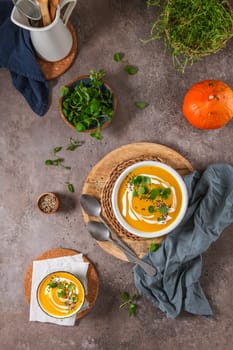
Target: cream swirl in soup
[148,198]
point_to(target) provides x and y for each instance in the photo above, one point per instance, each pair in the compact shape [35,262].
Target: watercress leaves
[56,162]
[85,105]
[128,301]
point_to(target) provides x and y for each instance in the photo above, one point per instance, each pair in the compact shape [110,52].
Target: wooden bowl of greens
[88,104]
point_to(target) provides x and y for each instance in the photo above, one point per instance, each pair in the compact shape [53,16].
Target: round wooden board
[100,174]
[92,277]
[53,70]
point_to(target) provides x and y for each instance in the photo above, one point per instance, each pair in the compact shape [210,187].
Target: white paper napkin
[41,268]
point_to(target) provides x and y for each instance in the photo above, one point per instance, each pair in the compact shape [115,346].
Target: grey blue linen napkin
[178,260]
[17,55]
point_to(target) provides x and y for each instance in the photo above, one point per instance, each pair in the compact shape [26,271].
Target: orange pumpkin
[208,104]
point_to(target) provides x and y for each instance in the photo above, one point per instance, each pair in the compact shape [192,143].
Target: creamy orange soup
[149,198]
[60,294]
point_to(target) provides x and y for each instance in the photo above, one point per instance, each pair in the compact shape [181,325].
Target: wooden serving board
[95,185]
[92,277]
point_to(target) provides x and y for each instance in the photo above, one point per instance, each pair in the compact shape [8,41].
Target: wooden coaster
[52,70]
[100,181]
[92,277]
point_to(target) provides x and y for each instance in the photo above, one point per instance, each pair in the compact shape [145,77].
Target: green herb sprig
[56,162]
[73,144]
[192,29]
[128,68]
[129,302]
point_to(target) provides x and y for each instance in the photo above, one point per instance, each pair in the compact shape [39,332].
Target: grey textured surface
[26,140]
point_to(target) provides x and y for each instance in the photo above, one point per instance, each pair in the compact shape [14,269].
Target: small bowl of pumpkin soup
[149,199]
[60,294]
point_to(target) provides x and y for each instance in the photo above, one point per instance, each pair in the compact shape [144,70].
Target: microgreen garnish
[66,291]
[163,209]
[141,104]
[151,209]
[154,193]
[138,180]
[142,187]
[165,194]
[87,104]
[52,284]
[128,301]
[153,247]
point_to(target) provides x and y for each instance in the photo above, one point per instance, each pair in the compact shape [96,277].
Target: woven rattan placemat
[100,181]
[92,277]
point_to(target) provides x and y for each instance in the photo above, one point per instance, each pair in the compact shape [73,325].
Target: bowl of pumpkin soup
[60,294]
[149,199]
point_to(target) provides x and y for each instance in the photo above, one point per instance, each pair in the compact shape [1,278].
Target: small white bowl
[163,230]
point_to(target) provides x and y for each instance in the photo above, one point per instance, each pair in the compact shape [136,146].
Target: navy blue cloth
[178,260]
[17,55]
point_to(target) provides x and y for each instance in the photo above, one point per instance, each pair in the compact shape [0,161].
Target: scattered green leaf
[57,149]
[70,187]
[131,70]
[118,56]
[153,247]
[56,162]
[73,144]
[124,296]
[128,301]
[141,104]
[97,135]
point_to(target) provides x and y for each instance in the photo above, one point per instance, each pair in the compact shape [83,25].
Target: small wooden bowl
[48,203]
[105,121]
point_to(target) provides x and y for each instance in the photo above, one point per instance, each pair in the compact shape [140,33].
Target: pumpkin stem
[212,97]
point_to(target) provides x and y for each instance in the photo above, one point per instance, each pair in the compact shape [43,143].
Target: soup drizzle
[148,198]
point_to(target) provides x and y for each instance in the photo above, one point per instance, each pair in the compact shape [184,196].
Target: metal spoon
[93,208]
[29,8]
[101,233]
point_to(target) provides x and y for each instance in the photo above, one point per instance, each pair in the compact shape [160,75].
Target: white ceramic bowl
[163,230]
[48,298]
